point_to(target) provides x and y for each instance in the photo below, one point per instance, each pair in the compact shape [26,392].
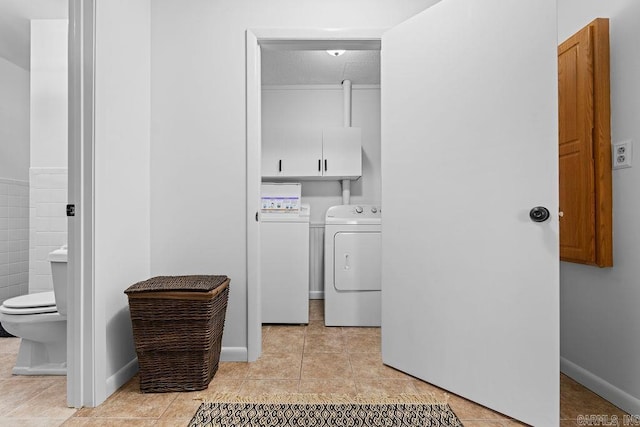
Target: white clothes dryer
[352,254]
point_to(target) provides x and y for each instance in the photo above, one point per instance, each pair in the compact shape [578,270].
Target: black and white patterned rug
[240,414]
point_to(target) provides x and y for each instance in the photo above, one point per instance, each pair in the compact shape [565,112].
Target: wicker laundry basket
[177,328]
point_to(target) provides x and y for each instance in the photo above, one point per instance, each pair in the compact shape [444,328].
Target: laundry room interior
[311,93]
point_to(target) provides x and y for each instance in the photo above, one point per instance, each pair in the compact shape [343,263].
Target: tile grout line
[353,374]
[167,407]
[301,360]
[8,415]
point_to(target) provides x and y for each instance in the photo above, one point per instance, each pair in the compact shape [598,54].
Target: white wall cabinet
[291,152]
[330,153]
[342,152]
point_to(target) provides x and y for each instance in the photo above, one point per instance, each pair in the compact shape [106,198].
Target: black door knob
[539,214]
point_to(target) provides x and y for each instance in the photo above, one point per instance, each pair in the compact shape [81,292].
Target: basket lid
[200,283]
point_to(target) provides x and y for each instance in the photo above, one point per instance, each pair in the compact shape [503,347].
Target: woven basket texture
[178,341]
[194,283]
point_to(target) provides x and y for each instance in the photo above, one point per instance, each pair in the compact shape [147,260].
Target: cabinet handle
[279,165]
[319,165]
[325,165]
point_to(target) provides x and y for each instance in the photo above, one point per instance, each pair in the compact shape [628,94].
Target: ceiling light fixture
[337,52]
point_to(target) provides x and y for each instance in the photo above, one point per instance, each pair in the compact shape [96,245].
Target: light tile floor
[296,359]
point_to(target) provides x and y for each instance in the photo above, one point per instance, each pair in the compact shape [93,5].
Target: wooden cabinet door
[584,147]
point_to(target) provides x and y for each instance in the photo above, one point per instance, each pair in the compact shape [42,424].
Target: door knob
[539,214]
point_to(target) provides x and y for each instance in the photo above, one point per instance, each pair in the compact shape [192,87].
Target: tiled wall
[14,238]
[48,198]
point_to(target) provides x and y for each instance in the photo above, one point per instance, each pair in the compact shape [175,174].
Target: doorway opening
[293,81]
[34,76]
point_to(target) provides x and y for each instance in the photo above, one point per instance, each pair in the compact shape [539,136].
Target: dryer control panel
[349,214]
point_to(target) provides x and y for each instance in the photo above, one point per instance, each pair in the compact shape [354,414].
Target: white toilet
[40,319]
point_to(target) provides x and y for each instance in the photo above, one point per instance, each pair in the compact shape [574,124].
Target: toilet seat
[38,303]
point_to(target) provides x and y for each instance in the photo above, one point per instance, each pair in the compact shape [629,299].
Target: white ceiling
[306,67]
[15,33]
[281,65]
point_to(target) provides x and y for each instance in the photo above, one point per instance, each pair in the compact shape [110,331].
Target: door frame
[81,319]
[254,38]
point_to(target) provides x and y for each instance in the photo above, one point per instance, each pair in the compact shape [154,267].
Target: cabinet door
[291,152]
[585,147]
[342,152]
[271,149]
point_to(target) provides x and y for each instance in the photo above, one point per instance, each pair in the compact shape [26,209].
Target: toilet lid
[41,302]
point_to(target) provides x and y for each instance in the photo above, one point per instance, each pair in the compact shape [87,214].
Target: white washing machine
[284,251]
[352,254]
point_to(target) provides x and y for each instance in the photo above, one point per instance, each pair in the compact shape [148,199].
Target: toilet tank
[58,260]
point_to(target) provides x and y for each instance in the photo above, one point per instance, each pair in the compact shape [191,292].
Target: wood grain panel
[584,147]
[577,192]
[602,143]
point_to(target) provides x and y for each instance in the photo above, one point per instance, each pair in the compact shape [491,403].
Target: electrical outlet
[622,154]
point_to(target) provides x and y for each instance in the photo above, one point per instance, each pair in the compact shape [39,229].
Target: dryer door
[356,260]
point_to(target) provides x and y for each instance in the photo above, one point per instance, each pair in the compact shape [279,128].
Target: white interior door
[469,146]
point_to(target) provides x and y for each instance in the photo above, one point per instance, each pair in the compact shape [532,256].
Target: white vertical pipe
[346,92]
[346,96]
[346,191]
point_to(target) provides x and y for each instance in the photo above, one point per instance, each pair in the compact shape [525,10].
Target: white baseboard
[49,170]
[316,294]
[11,181]
[601,387]
[233,354]
[124,374]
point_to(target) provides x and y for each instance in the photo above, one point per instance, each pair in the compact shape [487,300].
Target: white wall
[600,320]
[14,121]
[48,171]
[14,180]
[317,108]
[121,180]
[198,153]
[49,93]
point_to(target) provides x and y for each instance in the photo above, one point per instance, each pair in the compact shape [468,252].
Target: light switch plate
[622,154]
